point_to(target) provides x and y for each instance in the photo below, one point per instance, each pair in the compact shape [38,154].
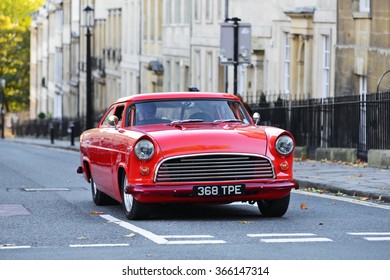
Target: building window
[209,70]
[197,10]
[177,76]
[209,10]
[187,11]
[364,6]
[221,9]
[167,75]
[287,57]
[325,66]
[57,106]
[58,67]
[197,66]
[178,11]
[168,11]
[59,20]
[159,21]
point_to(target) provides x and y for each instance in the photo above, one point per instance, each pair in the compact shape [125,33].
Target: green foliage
[19,10]
[15,50]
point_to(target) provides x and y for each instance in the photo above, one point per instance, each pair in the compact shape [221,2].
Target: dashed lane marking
[204,239]
[373,236]
[288,237]
[98,245]
[13,247]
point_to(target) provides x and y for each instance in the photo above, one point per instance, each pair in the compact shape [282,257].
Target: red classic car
[188,147]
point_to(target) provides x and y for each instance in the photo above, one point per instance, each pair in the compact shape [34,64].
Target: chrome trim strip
[214,154]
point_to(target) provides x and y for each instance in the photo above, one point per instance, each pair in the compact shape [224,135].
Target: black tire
[134,209]
[100,198]
[274,207]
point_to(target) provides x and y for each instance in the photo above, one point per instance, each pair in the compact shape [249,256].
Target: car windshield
[190,111]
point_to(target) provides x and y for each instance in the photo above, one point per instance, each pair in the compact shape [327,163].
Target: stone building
[363,46]
[300,49]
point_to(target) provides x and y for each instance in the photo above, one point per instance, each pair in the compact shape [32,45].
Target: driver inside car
[146,113]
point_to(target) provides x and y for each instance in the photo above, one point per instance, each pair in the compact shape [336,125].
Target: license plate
[219,190]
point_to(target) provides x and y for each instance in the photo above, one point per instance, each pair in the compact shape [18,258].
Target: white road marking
[182,242]
[378,236]
[45,189]
[97,245]
[163,239]
[369,233]
[187,236]
[275,237]
[344,199]
[14,247]
[295,240]
[279,234]
[150,235]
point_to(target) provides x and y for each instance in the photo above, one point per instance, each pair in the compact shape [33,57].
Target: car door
[103,159]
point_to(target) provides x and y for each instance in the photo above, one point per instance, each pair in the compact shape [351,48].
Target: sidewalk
[354,179]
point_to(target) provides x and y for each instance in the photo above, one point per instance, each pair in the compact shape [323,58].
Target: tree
[15,50]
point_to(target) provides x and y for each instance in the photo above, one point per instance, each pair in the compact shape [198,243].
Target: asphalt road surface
[46,212]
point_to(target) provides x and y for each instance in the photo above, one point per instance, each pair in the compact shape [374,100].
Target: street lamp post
[2,85]
[89,23]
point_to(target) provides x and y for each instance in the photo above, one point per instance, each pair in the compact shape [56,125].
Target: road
[46,212]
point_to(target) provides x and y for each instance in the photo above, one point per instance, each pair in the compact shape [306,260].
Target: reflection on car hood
[203,138]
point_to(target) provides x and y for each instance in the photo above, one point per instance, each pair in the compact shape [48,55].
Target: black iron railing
[361,122]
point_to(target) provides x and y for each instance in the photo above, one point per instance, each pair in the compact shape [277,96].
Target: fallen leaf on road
[339,193]
[303,206]
[364,198]
[96,213]
[320,191]
[130,235]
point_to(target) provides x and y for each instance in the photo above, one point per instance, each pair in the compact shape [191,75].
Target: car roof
[175,95]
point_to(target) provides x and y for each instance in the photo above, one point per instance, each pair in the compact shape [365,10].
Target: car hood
[176,140]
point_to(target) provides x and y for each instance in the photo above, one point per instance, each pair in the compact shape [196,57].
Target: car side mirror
[113,121]
[256,118]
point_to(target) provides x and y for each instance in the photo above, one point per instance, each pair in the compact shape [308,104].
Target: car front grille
[214,167]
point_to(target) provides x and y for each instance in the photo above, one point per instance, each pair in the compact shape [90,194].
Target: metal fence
[47,128]
[361,122]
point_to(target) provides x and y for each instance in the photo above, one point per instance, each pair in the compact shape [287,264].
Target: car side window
[116,111]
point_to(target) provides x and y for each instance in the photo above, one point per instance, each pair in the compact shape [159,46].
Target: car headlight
[284,145]
[144,149]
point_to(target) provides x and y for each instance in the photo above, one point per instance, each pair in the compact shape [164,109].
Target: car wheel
[100,198]
[274,207]
[134,209]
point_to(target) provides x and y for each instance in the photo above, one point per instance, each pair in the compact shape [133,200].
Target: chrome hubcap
[94,189]
[127,198]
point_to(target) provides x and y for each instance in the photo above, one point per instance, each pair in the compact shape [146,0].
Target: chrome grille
[214,167]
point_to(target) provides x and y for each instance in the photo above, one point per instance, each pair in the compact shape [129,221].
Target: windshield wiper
[186,121]
[227,120]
